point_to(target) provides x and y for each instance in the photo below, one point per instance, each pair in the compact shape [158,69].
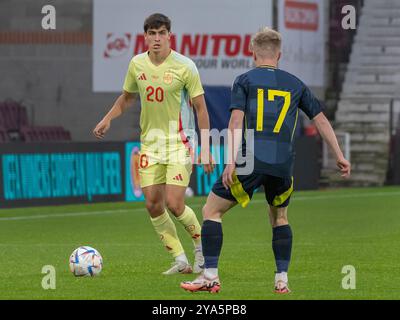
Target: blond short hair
[266,43]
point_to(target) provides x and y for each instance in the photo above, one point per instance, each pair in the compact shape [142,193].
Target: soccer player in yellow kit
[167,82]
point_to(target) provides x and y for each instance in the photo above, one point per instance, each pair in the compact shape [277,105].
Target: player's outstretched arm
[203,122]
[326,131]
[123,102]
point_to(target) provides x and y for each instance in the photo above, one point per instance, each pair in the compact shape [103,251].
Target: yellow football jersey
[166,118]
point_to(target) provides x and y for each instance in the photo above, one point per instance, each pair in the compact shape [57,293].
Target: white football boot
[179,267]
[281,283]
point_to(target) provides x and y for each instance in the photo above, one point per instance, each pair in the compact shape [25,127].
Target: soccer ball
[85,261]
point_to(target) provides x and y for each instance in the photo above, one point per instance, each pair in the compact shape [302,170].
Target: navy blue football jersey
[271,99]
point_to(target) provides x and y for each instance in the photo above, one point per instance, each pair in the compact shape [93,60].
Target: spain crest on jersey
[168,78]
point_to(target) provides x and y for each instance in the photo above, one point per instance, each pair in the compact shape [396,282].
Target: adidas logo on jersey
[142,77]
[178,178]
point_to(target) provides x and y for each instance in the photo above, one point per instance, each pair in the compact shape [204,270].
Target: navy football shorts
[277,190]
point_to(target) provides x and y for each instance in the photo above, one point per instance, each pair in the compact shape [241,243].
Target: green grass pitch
[332,229]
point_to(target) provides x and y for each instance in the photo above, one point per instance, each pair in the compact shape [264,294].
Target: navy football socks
[211,241]
[282,247]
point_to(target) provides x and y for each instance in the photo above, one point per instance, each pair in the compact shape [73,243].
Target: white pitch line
[68,214]
[300,198]
[74,214]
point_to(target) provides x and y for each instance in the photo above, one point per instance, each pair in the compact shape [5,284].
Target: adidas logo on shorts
[178,178]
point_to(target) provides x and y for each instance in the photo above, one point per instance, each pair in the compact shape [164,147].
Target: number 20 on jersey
[154,94]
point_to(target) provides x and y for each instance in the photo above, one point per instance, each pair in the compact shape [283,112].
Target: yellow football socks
[165,228]
[192,226]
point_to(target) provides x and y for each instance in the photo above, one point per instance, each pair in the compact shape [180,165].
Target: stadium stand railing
[393,173]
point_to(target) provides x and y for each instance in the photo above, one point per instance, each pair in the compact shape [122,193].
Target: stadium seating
[3,135]
[3,131]
[43,134]
[13,115]
[14,126]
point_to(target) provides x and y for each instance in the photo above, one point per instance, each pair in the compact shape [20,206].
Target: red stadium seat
[2,118]
[3,135]
[13,116]
[44,134]
[14,122]
[26,134]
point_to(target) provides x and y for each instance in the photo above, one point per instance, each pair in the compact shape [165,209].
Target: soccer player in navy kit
[266,100]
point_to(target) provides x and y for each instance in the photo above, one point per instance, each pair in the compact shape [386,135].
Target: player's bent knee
[176,208]
[154,208]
